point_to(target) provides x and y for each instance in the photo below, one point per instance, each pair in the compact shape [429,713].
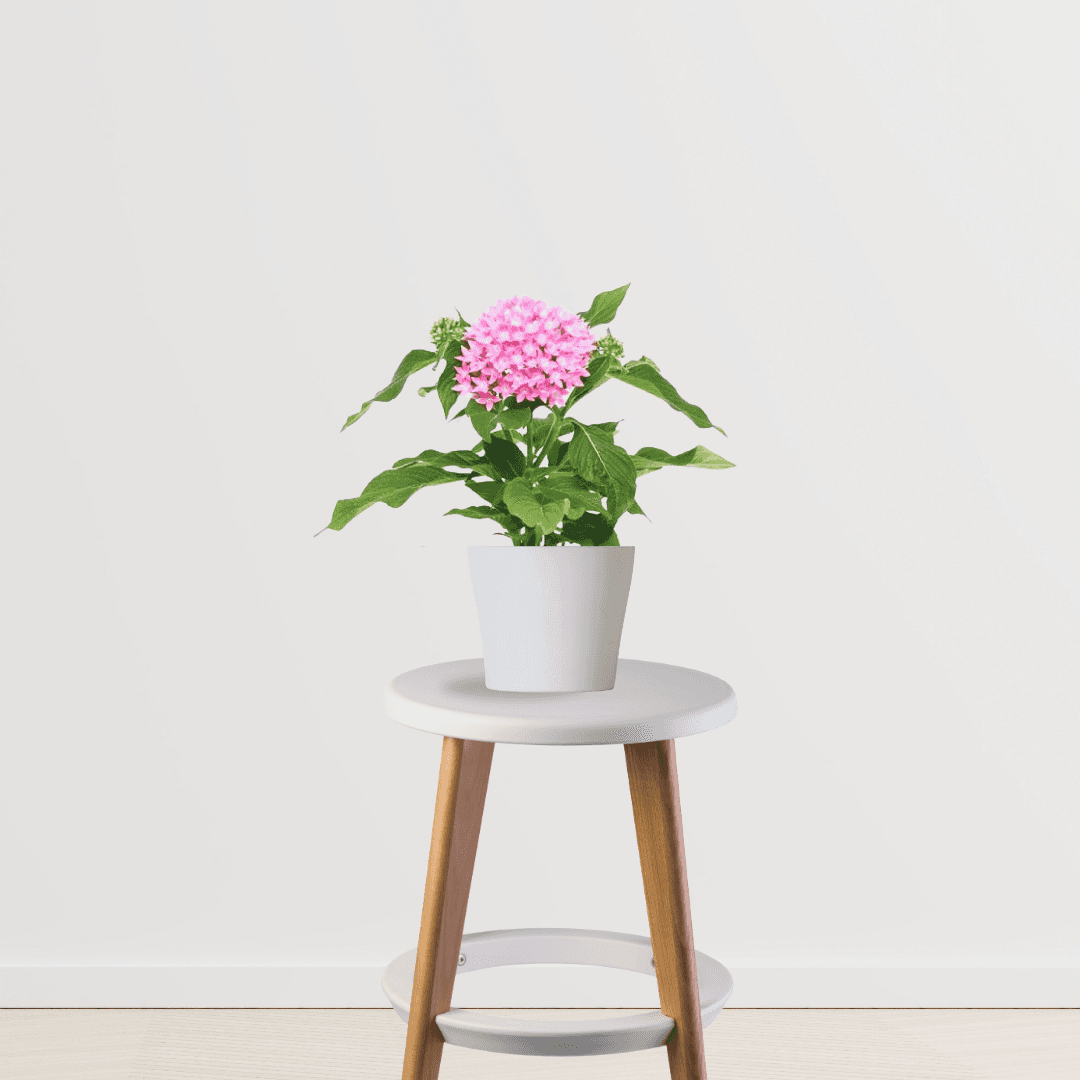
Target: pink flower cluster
[524,349]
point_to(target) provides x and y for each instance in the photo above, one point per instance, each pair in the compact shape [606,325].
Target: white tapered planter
[551,618]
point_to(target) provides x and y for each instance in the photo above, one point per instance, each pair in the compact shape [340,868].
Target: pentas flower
[522,348]
[540,489]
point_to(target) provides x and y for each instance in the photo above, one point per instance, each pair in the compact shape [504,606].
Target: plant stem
[556,423]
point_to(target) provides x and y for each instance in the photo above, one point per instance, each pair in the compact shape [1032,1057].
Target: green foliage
[540,428]
[590,530]
[483,420]
[480,512]
[649,459]
[645,375]
[598,375]
[538,485]
[515,419]
[604,306]
[415,361]
[448,396]
[557,454]
[527,503]
[597,460]
[506,458]
[606,359]
[457,459]
[578,495]
[489,491]
[393,487]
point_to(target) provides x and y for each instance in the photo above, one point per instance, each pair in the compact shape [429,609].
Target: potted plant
[556,486]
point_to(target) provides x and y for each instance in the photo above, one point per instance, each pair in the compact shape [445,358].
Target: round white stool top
[649,702]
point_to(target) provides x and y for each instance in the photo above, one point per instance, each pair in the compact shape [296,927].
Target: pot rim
[555,547]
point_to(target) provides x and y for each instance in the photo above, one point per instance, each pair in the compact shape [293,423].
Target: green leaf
[483,420]
[540,428]
[521,500]
[595,457]
[573,489]
[516,418]
[507,460]
[425,390]
[415,361]
[464,459]
[649,458]
[393,487]
[617,505]
[458,459]
[646,377]
[448,396]
[644,465]
[450,348]
[591,530]
[604,306]
[480,512]
[489,491]
[599,373]
[552,514]
[557,453]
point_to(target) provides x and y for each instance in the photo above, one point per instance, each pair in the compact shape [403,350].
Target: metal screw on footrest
[652,960]
[461,960]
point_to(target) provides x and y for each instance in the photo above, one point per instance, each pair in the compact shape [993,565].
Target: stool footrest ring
[561,1038]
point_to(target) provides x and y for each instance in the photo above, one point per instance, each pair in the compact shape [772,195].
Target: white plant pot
[551,618]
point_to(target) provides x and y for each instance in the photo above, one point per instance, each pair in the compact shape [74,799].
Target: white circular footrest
[600,948]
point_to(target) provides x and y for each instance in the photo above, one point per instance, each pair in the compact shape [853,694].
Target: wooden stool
[650,706]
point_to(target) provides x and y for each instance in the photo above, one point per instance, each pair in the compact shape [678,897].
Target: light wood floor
[345,1044]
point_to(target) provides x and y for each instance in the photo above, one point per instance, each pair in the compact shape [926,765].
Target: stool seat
[557,1038]
[650,702]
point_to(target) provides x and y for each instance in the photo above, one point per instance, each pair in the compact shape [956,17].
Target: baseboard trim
[757,985]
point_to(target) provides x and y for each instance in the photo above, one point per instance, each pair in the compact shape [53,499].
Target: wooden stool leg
[654,791]
[459,806]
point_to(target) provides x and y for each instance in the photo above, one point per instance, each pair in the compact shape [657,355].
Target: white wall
[852,233]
